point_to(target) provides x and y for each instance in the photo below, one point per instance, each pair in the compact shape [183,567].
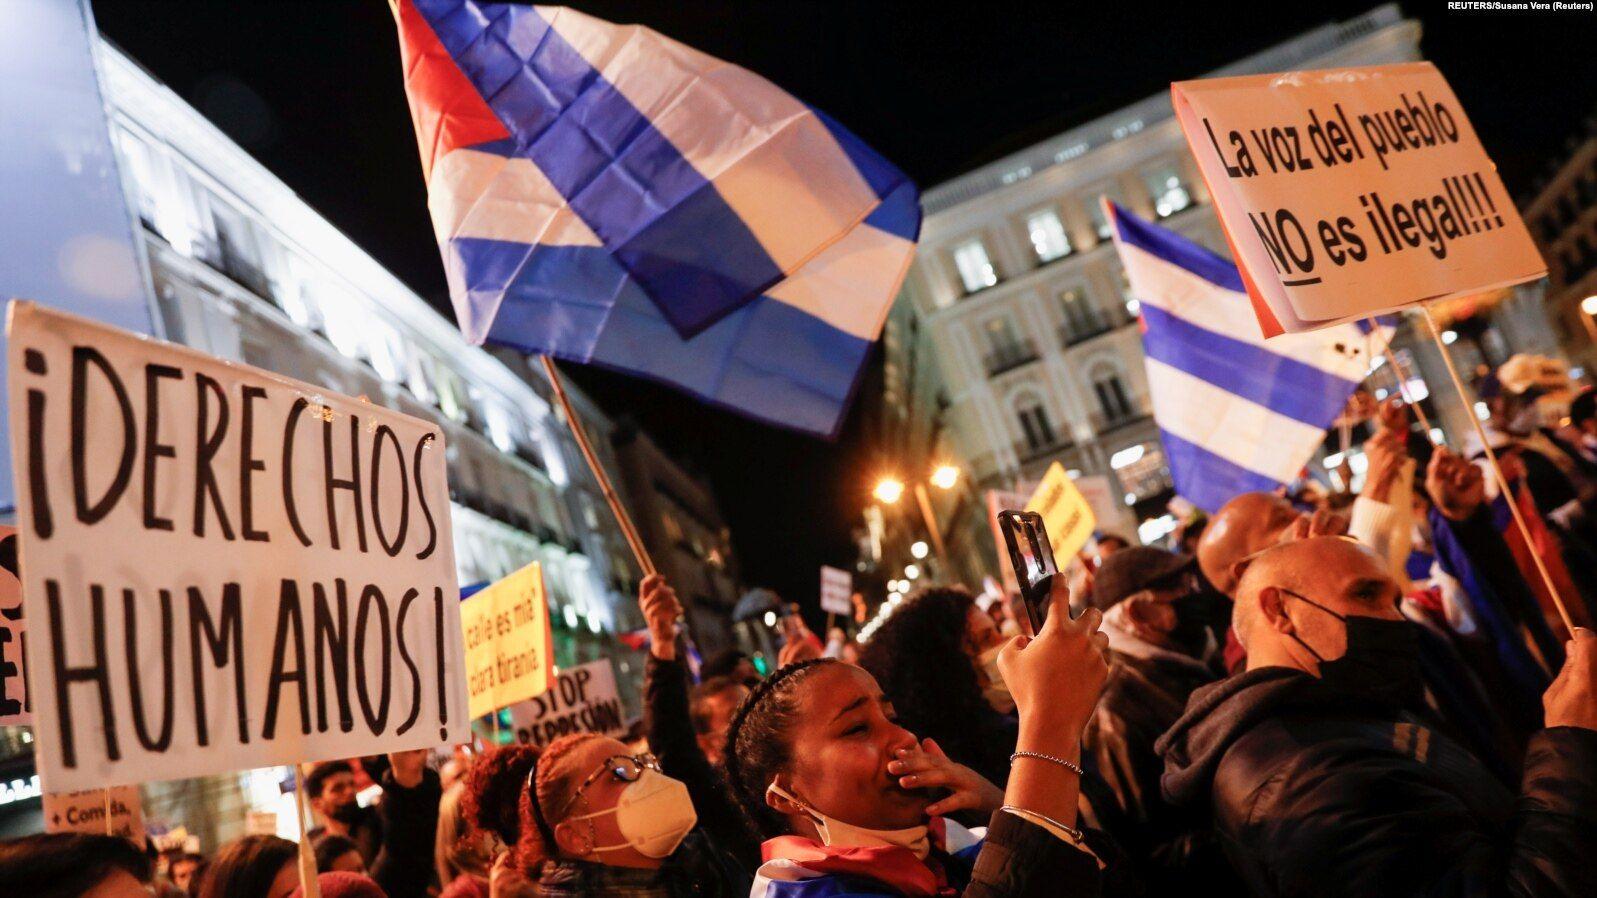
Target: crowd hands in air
[1323,694]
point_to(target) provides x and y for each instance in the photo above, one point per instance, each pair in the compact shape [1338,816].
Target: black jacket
[404,866]
[1172,847]
[1316,792]
[727,834]
[1021,860]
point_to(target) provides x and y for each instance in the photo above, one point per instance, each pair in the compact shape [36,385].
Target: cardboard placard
[836,588]
[506,626]
[1065,513]
[16,703]
[84,810]
[222,568]
[1346,193]
[581,699]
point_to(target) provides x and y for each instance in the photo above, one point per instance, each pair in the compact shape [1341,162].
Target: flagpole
[639,552]
[309,885]
[1497,471]
[1402,386]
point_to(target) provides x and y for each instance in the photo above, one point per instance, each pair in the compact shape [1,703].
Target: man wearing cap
[1158,617]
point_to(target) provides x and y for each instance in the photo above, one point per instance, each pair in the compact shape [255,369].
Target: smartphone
[1032,557]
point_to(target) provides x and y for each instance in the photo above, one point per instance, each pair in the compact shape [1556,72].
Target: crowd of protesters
[1316,694]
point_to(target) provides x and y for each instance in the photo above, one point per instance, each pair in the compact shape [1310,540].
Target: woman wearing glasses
[600,821]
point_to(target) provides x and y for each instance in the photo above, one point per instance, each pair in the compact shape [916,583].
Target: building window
[1100,219]
[1048,236]
[1169,192]
[1082,319]
[1034,423]
[1133,305]
[976,270]
[1006,348]
[1112,398]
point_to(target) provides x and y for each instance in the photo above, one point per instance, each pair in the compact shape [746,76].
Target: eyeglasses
[625,768]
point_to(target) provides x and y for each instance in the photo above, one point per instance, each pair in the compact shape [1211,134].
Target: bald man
[1322,782]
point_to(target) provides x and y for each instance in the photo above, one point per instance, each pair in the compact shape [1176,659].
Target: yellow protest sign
[1350,192]
[507,642]
[1065,513]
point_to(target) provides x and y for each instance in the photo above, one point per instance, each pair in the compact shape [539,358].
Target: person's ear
[1238,568]
[573,838]
[1142,611]
[780,803]
[1272,605]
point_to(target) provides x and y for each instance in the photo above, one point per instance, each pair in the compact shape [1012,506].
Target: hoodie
[1317,792]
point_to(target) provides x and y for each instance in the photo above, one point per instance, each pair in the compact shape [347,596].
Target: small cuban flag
[606,195]
[1237,413]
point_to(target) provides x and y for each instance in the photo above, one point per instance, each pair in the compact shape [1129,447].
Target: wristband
[1071,766]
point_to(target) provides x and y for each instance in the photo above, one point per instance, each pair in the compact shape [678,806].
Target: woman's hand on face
[928,768]
[1056,676]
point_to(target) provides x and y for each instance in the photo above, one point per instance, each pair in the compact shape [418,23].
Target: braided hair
[545,783]
[757,743]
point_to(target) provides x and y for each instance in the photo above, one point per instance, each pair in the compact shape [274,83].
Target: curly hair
[545,799]
[492,800]
[921,656]
[757,744]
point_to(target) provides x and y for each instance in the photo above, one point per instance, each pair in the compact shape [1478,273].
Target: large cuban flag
[606,195]
[1236,412]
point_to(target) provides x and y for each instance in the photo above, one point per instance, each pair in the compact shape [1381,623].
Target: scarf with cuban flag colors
[796,867]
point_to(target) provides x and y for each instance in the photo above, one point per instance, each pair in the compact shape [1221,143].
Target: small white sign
[84,811]
[836,588]
[581,699]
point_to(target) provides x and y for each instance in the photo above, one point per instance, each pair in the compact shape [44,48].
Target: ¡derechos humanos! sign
[222,568]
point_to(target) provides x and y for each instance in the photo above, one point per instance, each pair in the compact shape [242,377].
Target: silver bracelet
[1024,813]
[1071,766]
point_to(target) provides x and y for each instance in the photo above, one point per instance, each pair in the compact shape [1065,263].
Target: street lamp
[1588,310]
[888,490]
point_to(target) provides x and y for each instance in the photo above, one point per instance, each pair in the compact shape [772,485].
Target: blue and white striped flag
[1237,413]
[604,194]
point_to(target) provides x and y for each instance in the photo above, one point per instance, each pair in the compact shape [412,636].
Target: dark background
[313,90]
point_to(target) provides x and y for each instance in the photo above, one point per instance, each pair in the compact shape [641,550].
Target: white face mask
[835,832]
[654,814]
[995,691]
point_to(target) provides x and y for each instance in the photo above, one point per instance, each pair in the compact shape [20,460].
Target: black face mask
[1382,660]
[347,814]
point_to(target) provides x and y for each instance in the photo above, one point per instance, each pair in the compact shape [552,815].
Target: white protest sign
[84,810]
[1004,500]
[836,588]
[222,568]
[1350,192]
[171,840]
[260,823]
[1100,498]
[16,706]
[582,699]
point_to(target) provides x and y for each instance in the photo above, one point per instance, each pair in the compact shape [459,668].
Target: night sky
[313,90]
